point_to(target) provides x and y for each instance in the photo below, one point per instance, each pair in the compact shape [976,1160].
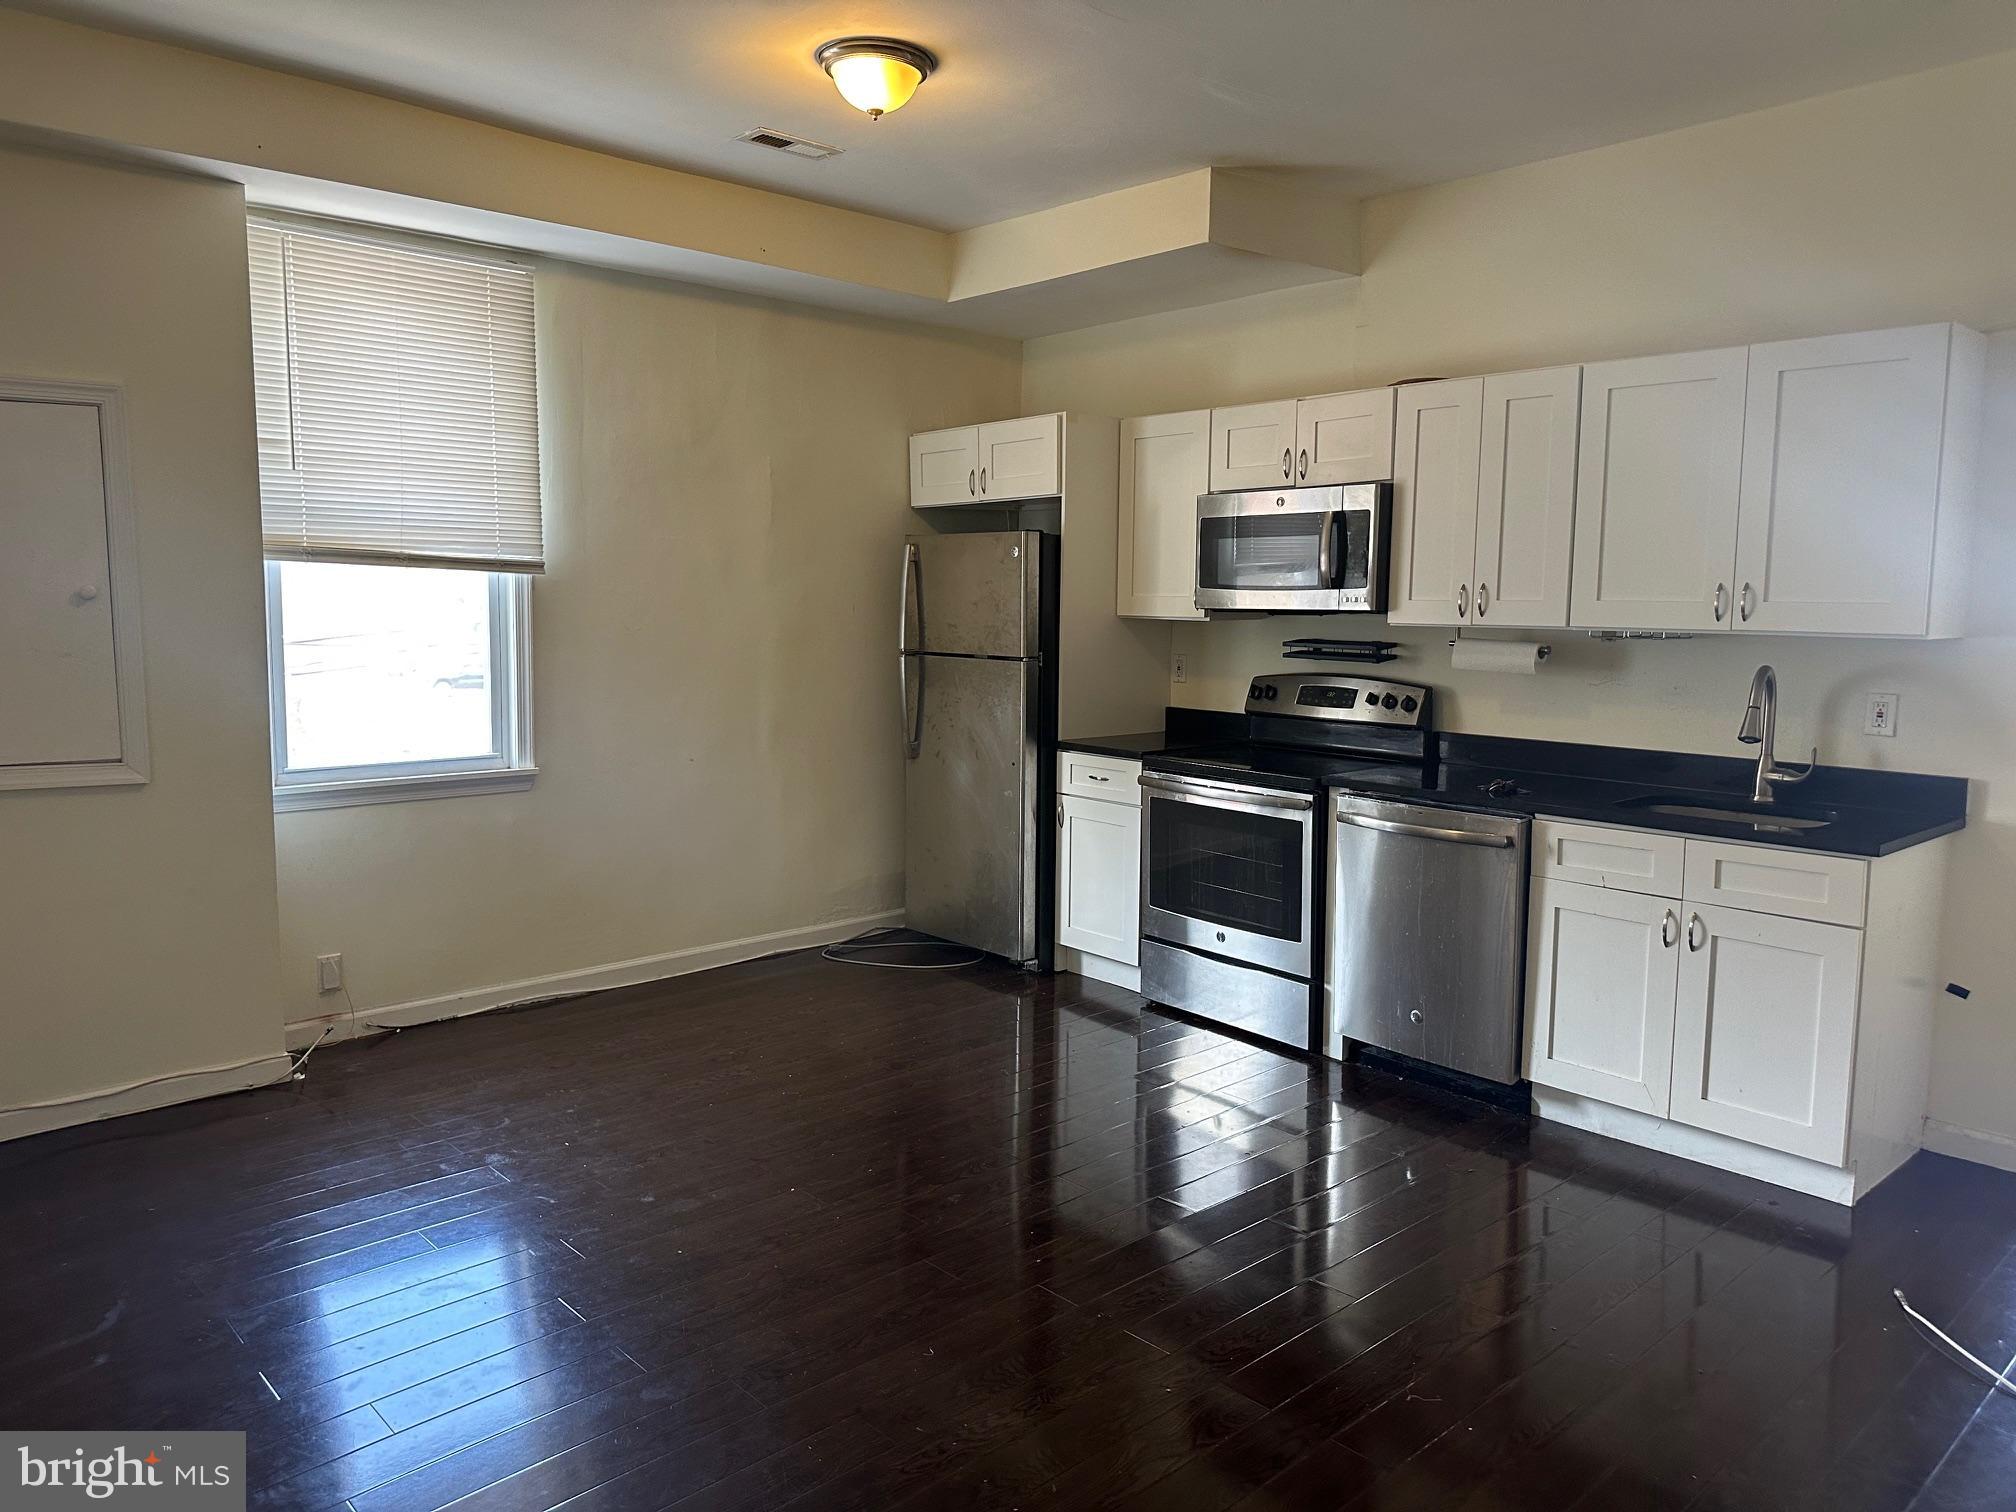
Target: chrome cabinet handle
[1721,602]
[1697,932]
[1287,462]
[983,480]
[1303,467]
[1463,602]
[970,476]
[1747,602]
[1095,777]
[1483,599]
[1060,813]
[1669,930]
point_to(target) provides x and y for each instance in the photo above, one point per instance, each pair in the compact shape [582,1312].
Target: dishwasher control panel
[1354,700]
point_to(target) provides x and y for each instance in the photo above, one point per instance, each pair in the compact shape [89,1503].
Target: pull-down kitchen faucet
[1760,728]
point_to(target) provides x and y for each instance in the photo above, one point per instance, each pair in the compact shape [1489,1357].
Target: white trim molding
[1114,973]
[631,973]
[1978,1145]
[140,1097]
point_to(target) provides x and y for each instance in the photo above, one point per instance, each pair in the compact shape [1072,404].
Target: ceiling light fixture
[875,74]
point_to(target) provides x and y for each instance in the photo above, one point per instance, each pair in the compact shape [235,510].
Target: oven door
[1228,870]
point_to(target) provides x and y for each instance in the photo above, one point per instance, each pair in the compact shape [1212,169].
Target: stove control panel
[1354,700]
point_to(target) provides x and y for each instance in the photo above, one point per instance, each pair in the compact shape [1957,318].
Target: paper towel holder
[1544,652]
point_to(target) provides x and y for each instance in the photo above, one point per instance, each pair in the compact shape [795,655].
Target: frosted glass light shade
[875,74]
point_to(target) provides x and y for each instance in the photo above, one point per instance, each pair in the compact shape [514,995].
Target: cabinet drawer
[1109,778]
[1622,860]
[1764,879]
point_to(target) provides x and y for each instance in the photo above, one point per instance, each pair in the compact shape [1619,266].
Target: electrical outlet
[329,973]
[1879,714]
[1179,668]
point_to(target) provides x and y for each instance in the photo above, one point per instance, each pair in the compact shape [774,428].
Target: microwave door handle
[1326,550]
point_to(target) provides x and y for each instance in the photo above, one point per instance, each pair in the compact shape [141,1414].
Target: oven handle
[1234,796]
[1428,831]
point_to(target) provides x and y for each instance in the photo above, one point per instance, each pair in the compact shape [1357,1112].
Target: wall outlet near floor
[329,973]
[1879,714]
[1179,667]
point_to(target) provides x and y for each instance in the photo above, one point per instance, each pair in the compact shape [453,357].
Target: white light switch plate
[1879,714]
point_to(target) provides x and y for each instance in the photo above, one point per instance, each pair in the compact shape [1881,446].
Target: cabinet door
[1526,498]
[1253,446]
[1841,457]
[1099,878]
[1435,501]
[945,467]
[1344,438]
[1764,1034]
[1022,459]
[1659,466]
[59,678]
[1601,968]
[1165,462]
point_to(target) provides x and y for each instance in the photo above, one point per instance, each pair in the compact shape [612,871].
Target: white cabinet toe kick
[1759,1008]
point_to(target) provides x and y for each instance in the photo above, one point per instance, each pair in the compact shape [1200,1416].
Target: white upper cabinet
[996,463]
[1659,470]
[1436,433]
[1854,477]
[1253,446]
[1526,499]
[1021,459]
[1764,1034]
[72,711]
[945,467]
[1344,438]
[1165,463]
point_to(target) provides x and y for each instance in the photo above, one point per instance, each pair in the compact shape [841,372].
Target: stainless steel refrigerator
[978,649]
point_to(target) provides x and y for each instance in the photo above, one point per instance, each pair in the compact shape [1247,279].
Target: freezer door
[972,595]
[969,803]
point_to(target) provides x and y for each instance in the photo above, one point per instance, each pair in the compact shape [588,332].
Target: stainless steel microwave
[1294,550]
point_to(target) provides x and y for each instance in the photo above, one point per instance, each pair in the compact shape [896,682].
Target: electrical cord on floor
[855,951]
[1997,1378]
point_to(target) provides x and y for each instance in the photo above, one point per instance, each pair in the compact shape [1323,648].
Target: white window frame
[509,767]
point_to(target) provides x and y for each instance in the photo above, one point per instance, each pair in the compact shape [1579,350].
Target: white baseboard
[632,973]
[1831,1183]
[1118,973]
[1977,1145]
[178,1087]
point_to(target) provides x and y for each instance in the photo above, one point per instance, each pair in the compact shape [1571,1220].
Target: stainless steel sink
[1763,816]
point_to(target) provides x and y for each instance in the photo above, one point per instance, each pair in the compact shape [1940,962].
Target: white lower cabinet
[1600,974]
[1758,1037]
[1099,866]
[1764,1030]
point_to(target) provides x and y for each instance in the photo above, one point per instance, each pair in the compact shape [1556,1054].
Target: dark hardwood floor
[797,1234]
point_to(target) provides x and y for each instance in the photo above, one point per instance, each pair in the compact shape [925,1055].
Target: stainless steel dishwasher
[1427,934]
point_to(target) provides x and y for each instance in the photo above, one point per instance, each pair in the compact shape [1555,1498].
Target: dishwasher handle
[1495,841]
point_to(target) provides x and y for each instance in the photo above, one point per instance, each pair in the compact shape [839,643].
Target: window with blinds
[398,414]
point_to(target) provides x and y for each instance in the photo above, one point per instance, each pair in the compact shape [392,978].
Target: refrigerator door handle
[908,596]
[913,705]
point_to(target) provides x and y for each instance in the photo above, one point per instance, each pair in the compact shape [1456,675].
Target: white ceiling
[1039,102]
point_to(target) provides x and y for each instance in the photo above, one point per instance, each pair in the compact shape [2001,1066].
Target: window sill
[324,795]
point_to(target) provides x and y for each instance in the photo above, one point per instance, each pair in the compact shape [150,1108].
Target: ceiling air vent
[779,141]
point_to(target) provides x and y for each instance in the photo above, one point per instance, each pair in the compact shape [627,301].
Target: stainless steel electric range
[1233,846]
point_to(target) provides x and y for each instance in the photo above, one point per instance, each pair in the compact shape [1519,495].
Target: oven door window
[1227,867]
[1281,552]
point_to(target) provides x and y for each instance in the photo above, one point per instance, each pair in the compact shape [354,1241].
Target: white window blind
[398,415]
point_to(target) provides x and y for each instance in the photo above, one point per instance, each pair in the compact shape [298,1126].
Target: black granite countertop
[1127,747]
[1868,813]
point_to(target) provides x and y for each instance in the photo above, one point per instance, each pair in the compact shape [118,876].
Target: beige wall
[712,667]
[137,924]
[1877,206]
